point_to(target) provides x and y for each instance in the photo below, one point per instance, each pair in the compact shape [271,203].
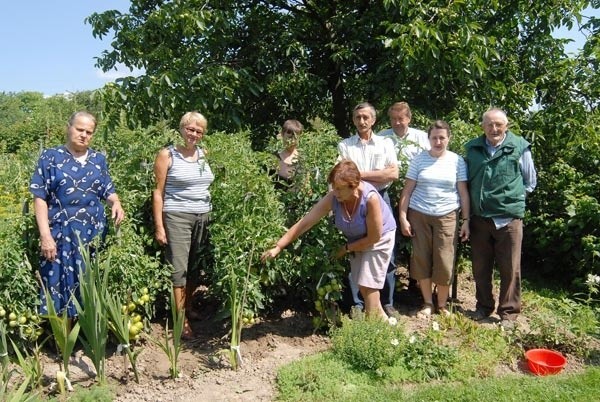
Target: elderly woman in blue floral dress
[69,186]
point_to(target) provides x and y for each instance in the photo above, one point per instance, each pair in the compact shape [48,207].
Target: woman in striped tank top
[181,205]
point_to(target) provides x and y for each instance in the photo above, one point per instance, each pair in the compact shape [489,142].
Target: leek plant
[119,324]
[65,336]
[92,316]
[31,364]
[172,344]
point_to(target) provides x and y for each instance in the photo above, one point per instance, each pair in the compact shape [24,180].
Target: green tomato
[321,291]
[2,312]
[22,320]
[13,323]
[12,317]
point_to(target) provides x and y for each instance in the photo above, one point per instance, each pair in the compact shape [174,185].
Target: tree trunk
[340,105]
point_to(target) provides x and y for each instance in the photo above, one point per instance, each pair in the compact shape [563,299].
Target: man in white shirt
[408,141]
[376,160]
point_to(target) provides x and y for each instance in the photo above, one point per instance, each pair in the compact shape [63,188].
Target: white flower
[395,342]
[412,339]
[392,321]
[592,280]
[435,326]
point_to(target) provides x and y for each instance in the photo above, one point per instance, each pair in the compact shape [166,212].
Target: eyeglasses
[194,130]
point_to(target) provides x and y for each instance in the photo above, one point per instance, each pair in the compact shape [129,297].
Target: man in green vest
[501,172]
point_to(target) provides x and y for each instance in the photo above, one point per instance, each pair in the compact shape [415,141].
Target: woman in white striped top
[434,192]
[181,205]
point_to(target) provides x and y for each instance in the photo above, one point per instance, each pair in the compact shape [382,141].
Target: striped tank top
[186,187]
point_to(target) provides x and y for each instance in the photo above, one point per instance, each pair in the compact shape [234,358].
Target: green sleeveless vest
[496,184]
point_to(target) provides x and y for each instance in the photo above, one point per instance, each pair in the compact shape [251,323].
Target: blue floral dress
[73,192]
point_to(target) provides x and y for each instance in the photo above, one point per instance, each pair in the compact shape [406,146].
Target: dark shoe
[391,311]
[479,314]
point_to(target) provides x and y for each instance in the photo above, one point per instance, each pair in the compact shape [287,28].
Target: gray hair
[365,105]
[494,110]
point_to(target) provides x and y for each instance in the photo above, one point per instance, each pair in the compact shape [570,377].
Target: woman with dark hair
[367,222]
[434,192]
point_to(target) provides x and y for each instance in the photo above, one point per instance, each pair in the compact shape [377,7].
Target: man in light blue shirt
[408,141]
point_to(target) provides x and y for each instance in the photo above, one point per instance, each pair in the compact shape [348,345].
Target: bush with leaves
[312,254]
[247,218]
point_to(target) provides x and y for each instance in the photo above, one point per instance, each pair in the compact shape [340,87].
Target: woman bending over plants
[181,207]
[366,221]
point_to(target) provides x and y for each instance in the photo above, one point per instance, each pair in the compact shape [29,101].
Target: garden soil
[273,341]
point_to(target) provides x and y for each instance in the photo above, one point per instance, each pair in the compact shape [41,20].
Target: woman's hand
[117,214]
[48,248]
[341,252]
[161,236]
[406,228]
[270,254]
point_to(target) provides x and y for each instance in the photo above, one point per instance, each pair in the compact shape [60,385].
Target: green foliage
[91,313]
[558,323]
[371,344]
[562,228]
[64,332]
[246,216]
[119,325]
[29,118]
[18,287]
[323,57]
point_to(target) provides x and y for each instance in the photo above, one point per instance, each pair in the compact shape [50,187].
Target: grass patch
[460,360]
[322,377]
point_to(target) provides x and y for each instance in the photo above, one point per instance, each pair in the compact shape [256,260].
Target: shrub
[369,344]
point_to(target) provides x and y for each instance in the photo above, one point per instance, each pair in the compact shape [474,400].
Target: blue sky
[46,47]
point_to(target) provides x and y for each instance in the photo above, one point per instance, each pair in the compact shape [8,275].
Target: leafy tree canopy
[257,62]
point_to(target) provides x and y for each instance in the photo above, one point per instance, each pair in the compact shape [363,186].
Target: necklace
[351,212]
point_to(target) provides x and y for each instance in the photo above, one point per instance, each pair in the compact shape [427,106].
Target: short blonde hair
[401,107]
[193,117]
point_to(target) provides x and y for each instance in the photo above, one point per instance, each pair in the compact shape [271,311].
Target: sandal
[425,311]
[443,310]
[187,333]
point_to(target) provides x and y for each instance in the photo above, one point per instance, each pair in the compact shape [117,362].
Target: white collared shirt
[408,146]
[375,154]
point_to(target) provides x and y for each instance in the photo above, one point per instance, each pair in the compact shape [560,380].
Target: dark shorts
[186,233]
